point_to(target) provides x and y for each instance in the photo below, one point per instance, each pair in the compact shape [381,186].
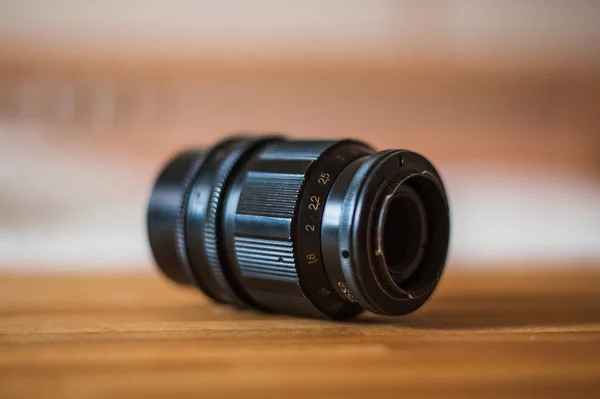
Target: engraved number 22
[314,203]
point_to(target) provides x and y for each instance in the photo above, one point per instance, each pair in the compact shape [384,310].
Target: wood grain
[482,335]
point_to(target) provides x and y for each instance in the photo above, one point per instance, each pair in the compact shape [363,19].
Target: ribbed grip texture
[268,259]
[221,176]
[270,194]
[295,151]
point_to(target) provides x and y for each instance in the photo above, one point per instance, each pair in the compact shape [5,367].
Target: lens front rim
[165,218]
[401,212]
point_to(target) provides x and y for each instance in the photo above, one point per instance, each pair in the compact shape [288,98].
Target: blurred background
[503,96]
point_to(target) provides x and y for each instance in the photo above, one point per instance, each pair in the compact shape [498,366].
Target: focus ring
[204,203]
[212,247]
[180,227]
[196,211]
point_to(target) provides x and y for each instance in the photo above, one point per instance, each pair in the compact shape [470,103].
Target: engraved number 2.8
[345,290]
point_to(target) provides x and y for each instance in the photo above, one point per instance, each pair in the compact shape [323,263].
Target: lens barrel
[303,227]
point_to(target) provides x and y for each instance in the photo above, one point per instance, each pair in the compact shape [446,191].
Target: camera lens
[312,228]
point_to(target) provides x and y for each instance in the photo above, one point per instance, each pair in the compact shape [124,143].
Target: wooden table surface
[482,335]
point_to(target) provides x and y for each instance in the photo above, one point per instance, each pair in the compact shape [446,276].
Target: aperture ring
[313,277]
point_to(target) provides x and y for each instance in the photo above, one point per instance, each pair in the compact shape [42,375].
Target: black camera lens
[312,228]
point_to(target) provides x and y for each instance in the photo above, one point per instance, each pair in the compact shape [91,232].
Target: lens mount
[359,206]
[401,232]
